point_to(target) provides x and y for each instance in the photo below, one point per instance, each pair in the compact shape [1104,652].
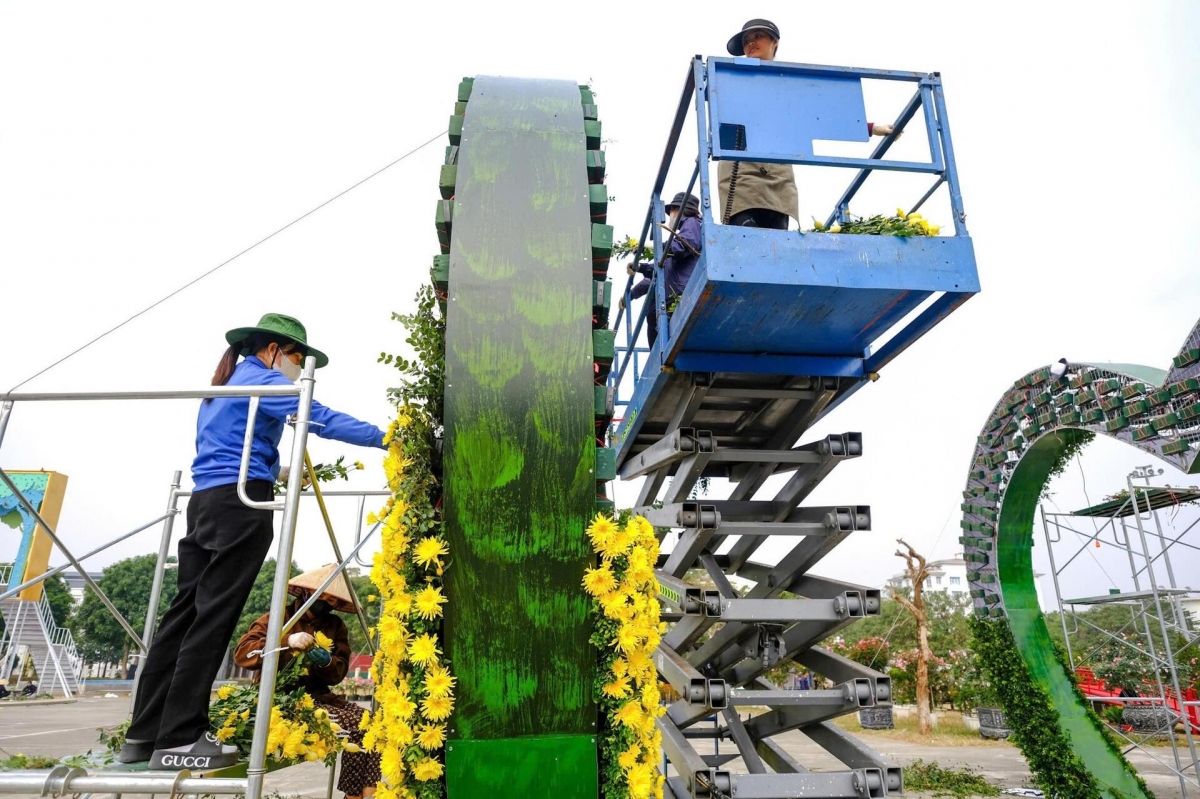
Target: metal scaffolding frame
[1155,610]
[63,780]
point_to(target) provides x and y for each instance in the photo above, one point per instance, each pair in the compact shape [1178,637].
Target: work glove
[621,302]
[300,641]
[319,656]
[284,471]
[629,270]
[884,129]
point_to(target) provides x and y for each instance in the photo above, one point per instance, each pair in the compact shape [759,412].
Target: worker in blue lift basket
[754,194]
[679,259]
[225,545]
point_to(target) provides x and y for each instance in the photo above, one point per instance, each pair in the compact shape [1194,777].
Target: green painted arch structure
[1035,425]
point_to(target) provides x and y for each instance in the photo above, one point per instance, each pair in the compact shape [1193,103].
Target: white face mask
[284,365]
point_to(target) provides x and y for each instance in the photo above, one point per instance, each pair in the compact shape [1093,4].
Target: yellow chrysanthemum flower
[616,545]
[391,765]
[640,781]
[225,691]
[429,550]
[438,681]
[618,688]
[627,638]
[437,708]
[323,640]
[428,769]
[599,581]
[423,649]
[630,714]
[629,758]
[432,736]
[306,702]
[429,602]
[224,734]
[601,525]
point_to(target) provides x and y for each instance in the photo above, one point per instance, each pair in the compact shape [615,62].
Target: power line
[226,262]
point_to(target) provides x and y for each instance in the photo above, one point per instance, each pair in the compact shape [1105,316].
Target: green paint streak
[562,766]
[487,454]
[492,362]
[547,306]
[1015,551]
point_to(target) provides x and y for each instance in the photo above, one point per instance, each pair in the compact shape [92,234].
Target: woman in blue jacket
[226,543]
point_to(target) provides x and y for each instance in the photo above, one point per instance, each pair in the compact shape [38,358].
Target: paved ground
[60,730]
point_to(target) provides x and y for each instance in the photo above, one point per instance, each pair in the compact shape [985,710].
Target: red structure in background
[360,666]
[1096,690]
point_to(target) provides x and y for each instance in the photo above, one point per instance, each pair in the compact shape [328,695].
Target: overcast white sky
[143,143]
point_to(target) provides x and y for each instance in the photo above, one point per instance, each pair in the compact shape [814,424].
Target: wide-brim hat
[687,202]
[277,324]
[765,25]
[337,594]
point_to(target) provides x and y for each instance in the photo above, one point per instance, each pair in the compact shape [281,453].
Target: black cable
[733,175]
[226,262]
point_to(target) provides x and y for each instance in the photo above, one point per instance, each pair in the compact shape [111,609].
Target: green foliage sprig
[932,778]
[423,378]
[899,224]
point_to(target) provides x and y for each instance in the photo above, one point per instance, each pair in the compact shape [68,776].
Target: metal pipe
[358,526]
[270,661]
[87,578]
[244,464]
[47,783]
[342,493]
[156,584]
[1176,608]
[197,393]
[5,411]
[1062,616]
[956,201]
[337,553]
[308,603]
[1168,655]
[57,569]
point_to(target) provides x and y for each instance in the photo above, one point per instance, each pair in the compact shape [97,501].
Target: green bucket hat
[279,325]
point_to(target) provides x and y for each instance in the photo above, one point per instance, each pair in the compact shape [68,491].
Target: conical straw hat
[337,594]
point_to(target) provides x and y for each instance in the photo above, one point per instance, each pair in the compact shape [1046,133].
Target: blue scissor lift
[775,329]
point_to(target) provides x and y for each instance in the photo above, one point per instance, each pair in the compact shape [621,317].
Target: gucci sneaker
[207,753]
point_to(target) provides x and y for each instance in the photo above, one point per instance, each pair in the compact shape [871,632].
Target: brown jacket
[319,680]
[770,186]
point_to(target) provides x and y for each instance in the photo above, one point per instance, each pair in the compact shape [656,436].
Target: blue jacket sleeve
[327,423]
[687,239]
[646,268]
[640,289]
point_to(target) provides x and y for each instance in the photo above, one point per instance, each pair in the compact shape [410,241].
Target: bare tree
[917,571]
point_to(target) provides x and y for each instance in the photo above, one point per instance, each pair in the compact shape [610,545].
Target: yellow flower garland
[414,687]
[627,631]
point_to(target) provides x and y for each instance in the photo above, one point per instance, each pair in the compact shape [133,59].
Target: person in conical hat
[325,667]
[226,541]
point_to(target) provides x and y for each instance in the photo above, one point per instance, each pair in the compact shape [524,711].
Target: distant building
[76,584]
[948,576]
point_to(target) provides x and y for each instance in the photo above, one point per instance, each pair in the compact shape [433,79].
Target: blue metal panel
[645,392]
[761,364]
[782,110]
[762,291]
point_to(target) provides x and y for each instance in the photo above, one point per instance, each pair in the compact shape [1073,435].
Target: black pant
[219,559]
[760,217]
